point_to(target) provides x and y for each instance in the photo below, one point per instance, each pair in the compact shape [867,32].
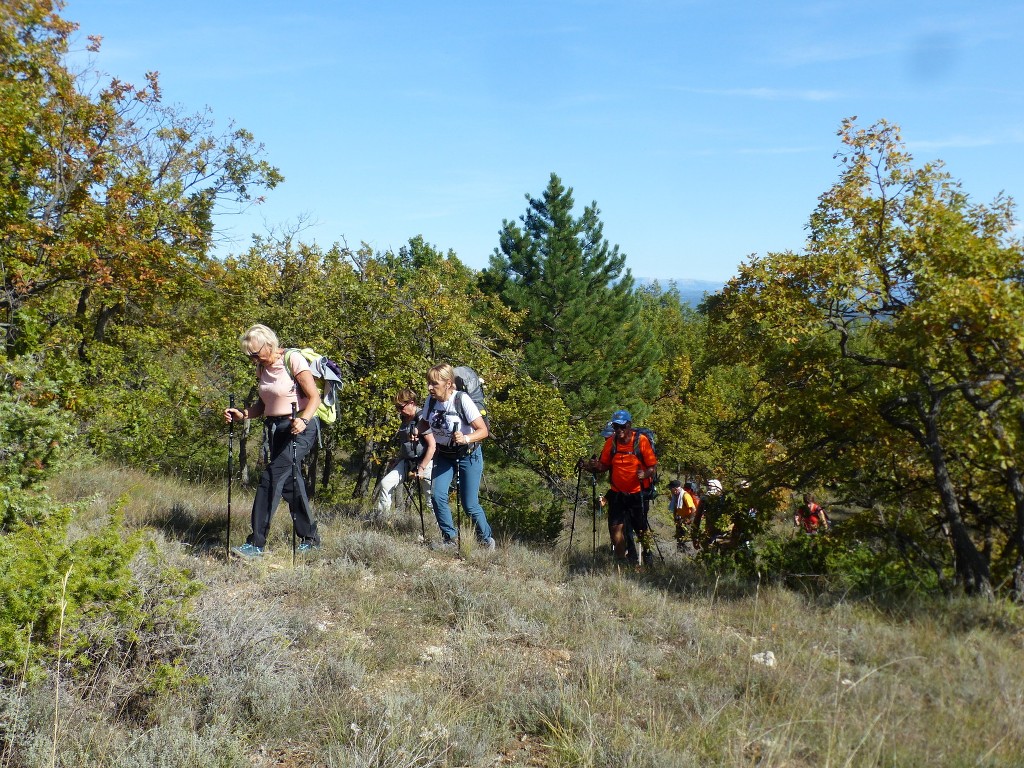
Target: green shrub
[520,504]
[856,557]
[75,594]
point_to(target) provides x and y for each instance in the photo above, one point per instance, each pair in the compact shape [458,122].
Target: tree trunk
[365,475]
[309,476]
[328,463]
[1015,485]
[971,567]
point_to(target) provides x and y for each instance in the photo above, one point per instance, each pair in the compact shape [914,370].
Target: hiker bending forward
[280,388]
[454,428]
[410,451]
[625,499]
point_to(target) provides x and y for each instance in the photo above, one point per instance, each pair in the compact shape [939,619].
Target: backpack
[326,374]
[649,485]
[467,380]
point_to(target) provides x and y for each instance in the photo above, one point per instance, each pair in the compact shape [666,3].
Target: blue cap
[621,417]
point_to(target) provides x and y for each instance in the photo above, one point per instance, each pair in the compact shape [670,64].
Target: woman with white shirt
[453,428]
[281,389]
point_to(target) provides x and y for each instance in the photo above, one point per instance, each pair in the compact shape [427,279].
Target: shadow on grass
[183,524]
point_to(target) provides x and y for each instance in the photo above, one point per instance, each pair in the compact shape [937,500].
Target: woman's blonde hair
[258,337]
[441,372]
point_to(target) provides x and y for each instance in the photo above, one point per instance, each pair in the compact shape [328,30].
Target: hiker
[454,427]
[286,441]
[710,510]
[628,471]
[410,451]
[684,512]
[810,516]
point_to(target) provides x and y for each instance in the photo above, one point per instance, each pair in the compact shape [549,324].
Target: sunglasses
[255,355]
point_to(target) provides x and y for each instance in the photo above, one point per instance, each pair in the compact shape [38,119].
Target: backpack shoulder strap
[460,407]
[288,361]
[636,448]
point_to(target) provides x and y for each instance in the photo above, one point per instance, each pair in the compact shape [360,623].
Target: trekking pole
[593,493]
[458,509]
[575,501]
[295,485]
[419,494]
[231,455]
[650,531]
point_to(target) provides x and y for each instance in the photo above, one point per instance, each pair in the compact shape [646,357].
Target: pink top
[278,390]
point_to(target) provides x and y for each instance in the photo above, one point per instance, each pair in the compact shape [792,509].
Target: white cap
[714,487]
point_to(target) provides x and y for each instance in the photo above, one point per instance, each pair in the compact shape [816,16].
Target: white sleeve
[470,410]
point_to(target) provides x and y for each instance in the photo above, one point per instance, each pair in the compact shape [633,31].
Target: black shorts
[626,509]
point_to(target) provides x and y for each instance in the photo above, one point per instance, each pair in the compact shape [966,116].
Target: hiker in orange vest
[628,473]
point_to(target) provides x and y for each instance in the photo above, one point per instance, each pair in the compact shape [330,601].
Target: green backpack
[326,374]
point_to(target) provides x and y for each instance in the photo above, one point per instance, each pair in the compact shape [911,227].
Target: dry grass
[378,652]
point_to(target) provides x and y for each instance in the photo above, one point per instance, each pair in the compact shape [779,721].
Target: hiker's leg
[471,470]
[441,481]
[616,524]
[295,493]
[277,472]
[424,481]
[388,484]
[638,516]
[638,522]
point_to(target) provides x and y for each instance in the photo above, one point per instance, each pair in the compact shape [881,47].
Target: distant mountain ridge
[690,291]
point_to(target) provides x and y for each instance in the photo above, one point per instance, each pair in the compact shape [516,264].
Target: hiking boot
[307,546]
[488,544]
[248,551]
[448,545]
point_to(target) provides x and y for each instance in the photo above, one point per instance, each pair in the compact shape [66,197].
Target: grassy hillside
[377,651]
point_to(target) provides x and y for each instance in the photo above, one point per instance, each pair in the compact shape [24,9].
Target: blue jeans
[471,469]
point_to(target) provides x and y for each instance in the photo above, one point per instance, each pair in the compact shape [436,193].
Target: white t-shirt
[444,419]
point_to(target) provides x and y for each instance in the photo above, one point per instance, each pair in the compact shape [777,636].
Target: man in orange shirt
[631,459]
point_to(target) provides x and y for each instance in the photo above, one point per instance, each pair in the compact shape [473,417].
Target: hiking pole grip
[231,454]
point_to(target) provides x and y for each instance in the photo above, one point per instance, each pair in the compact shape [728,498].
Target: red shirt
[811,517]
[624,464]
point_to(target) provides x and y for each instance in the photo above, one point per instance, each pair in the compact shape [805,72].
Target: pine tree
[582,331]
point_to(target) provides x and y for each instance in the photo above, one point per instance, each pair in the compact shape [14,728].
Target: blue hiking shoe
[306,547]
[247,551]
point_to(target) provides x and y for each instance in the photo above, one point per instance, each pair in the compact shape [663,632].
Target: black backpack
[649,486]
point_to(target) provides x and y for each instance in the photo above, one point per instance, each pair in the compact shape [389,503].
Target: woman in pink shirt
[280,388]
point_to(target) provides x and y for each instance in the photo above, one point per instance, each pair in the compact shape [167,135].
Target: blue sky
[705,131]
